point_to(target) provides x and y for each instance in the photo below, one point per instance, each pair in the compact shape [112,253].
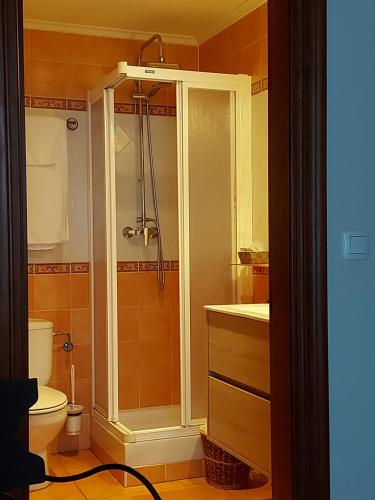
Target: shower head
[148,94]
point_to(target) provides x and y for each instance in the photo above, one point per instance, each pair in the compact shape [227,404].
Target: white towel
[47,181]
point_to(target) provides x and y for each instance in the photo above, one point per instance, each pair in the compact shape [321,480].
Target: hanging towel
[47,181]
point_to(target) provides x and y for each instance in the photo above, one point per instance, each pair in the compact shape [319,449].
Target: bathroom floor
[104,487]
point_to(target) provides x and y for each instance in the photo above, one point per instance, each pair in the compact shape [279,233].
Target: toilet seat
[49,400]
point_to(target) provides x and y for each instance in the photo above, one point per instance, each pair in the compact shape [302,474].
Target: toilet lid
[49,400]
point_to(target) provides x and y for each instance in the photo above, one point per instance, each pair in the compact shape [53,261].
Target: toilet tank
[40,350]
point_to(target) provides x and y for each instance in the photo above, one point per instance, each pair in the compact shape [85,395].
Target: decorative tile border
[84,267]
[49,103]
[261,269]
[127,267]
[81,105]
[142,266]
[76,105]
[175,265]
[256,88]
[172,111]
[158,110]
[153,266]
[52,268]
[260,86]
[124,108]
[55,103]
[79,267]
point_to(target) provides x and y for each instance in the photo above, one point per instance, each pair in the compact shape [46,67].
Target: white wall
[76,249]
[128,192]
[164,142]
[259,132]
[351,285]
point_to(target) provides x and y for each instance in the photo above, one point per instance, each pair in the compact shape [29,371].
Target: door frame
[298,249]
[13,241]
[297,175]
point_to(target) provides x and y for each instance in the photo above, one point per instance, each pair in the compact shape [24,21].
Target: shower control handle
[146,235]
[128,232]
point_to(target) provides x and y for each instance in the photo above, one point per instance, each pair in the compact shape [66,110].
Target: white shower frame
[240,88]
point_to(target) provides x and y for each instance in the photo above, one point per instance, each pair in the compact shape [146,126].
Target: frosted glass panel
[212,222]
[99,257]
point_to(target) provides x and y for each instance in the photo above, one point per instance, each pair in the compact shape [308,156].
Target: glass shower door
[103,255]
[216,215]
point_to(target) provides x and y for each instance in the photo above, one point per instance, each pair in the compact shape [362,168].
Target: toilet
[48,415]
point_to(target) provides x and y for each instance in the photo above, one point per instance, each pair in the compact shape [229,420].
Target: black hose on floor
[101,468]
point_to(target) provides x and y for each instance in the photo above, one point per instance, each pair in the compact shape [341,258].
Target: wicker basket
[223,470]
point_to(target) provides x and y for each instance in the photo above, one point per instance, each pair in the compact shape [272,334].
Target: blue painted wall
[351,286]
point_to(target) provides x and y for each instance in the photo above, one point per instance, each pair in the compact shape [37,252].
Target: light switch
[356,245]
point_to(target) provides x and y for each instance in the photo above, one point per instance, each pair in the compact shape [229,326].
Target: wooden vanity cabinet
[239,408]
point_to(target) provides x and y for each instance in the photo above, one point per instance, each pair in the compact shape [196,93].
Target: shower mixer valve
[145,231]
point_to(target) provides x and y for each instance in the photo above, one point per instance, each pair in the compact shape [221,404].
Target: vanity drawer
[241,423]
[239,350]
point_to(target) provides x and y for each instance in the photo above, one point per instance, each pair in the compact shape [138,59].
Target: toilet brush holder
[74,419]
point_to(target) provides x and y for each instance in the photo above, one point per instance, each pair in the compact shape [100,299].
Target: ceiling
[200,19]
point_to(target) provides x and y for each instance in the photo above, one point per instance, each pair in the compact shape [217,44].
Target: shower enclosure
[149,326]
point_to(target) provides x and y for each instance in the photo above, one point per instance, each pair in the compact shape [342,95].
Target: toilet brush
[73,422]
[73,385]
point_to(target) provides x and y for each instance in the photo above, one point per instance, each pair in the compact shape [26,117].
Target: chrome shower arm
[154,38]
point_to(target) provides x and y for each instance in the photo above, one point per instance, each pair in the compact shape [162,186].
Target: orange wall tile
[240,48]
[65,65]
[148,320]
[261,288]
[149,345]
[63,299]
[52,292]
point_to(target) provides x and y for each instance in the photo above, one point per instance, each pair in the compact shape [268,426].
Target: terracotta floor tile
[77,461]
[55,467]
[102,485]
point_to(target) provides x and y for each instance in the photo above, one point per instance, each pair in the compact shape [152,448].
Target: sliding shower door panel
[215,163]
[103,256]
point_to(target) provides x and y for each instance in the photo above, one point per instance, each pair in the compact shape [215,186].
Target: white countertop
[260,312]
